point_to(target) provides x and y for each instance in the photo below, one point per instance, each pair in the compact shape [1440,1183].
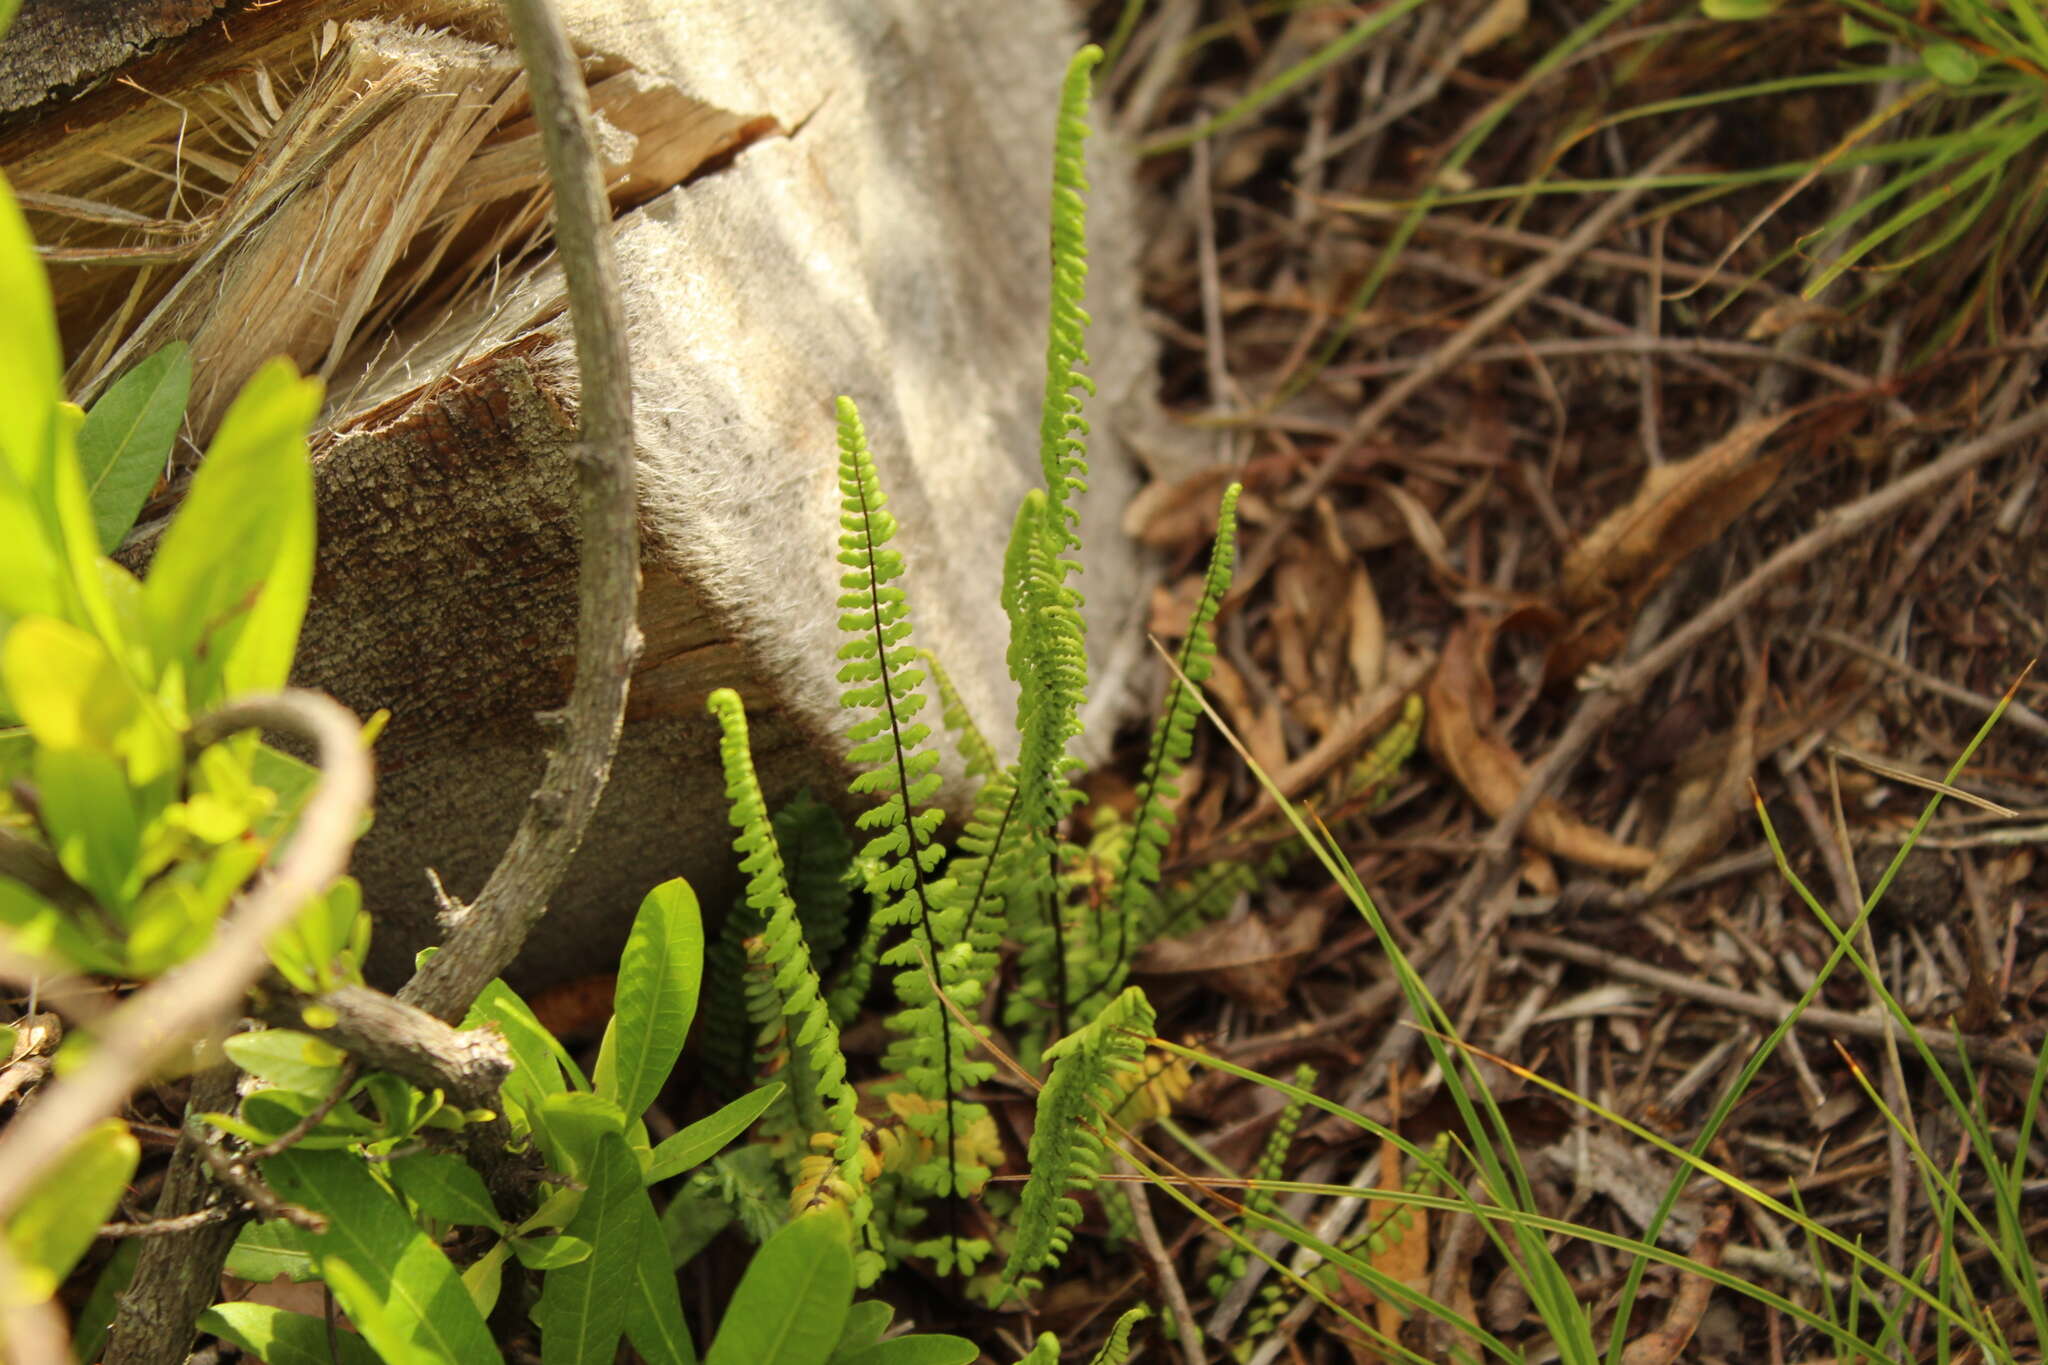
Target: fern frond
[1067,1148]
[1061,426]
[1117,1349]
[983,871]
[1270,1167]
[850,986]
[784,956]
[726,1037]
[975,750]
[816,857]
[903,854]
[1173,739]
[1048,649]
[816,852]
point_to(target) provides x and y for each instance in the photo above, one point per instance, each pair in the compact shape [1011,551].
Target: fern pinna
[932,1053]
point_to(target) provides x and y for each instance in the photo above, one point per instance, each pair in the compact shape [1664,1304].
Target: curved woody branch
[485,937]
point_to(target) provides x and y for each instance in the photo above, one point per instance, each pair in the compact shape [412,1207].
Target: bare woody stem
[484,938]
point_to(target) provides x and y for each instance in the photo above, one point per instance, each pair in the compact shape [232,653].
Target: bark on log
[814,198]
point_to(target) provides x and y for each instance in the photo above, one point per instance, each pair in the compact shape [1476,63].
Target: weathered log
[836,196]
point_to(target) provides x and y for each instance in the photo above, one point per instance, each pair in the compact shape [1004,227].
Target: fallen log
[836,196]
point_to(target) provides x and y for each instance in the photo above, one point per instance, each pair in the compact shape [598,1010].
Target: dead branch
[487,935]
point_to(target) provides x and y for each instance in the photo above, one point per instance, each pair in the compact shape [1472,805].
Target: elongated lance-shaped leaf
[783,949]
[894,764]
[1067,1149]
[1173,739]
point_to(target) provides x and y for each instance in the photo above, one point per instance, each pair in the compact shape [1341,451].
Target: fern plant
[1012,889]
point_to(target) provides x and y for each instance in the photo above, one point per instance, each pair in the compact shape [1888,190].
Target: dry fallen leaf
[1422,528]
[1459,732]
[1709,805]
[1172,515]
[1502,19]
[1249,959]
[1366,640]
[1679,508]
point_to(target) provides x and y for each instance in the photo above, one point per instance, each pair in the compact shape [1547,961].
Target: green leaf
[404,1279]
[90,813]
[792,1303]
[569,1127]
[1951,63]
[1856,33]
[7,9]
[288,1059]
[37,928]
[95,1318]
[269,1249]
[656,997]
[31,573]
[29,354]
[277,1337]
[654,1314]
[445,1187]
[703,1139]
[865,1323]
[127,439]
[72,694]
[538,1058]
[228,586]
[917,1350]
[583,1306]
[58,1221]
[1737,10]
[484,1277]
[373,1317]
[549,1253]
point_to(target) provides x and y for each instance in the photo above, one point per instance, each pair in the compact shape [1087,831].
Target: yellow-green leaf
[62,1216]
[228,586]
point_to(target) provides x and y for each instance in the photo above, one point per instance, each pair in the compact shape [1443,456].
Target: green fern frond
[1061,425]
[983,871]
[816,857]
[788,978]
[1173,739]
[1173,735]
[975,750]
[1117,1349]
[1270,1167]
[725,1037]
[931,1053]
[1067,1149]
[850,986]
[816,852]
